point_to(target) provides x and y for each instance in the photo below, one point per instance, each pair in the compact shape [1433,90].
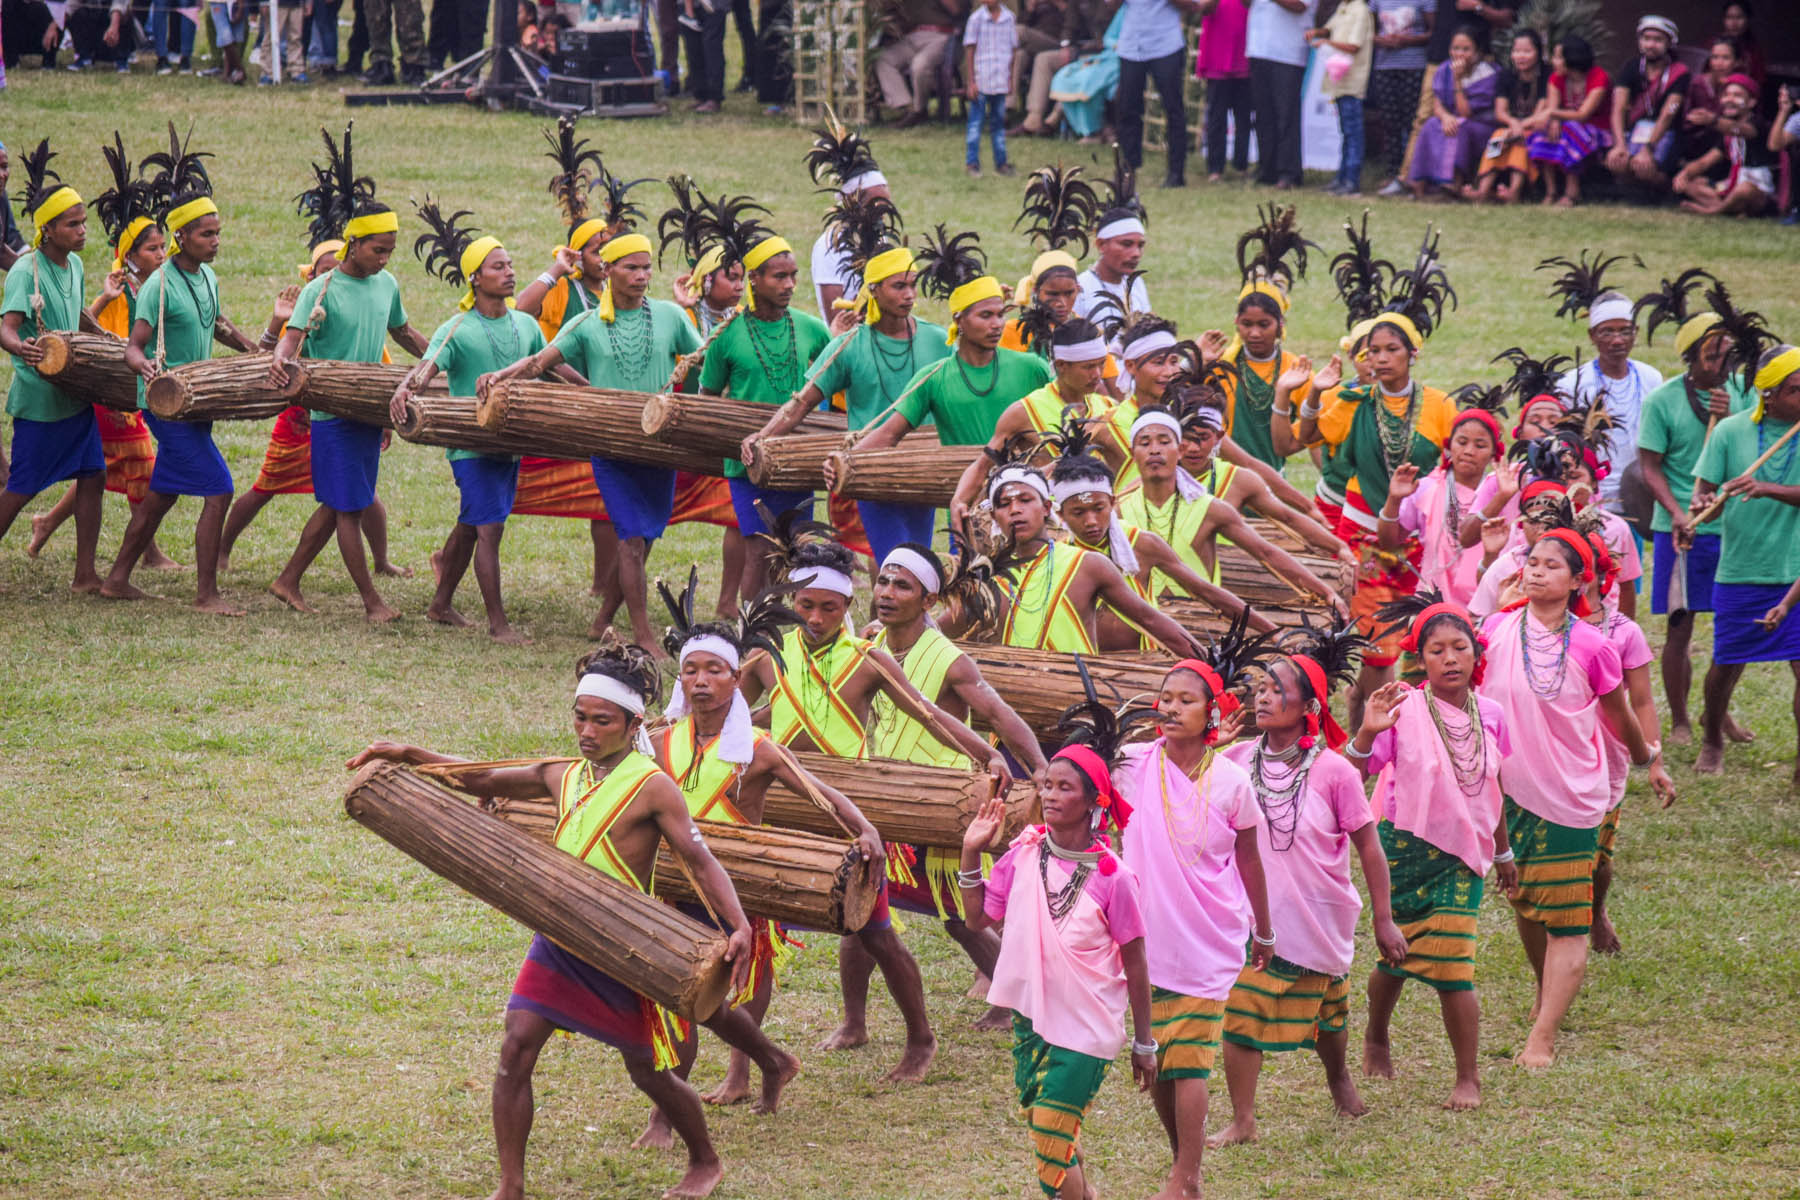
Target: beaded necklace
[1254,392]
[1062,900]
[962,369]
[1396,433]
[787,356]
[205,321]
[889,363]
[1189,835]
[631,355]
[1048,556]
[1280,800]
[1466,747]
[1545,685]
[513,348]
[1787,459]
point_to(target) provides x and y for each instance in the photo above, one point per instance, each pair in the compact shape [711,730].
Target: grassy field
[215,984]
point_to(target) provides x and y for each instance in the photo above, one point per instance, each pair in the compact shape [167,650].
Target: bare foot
[1602,936]
[1465,1096]
[1241,1130]
[657,1135]
[122,591]
[1377,1063]
[290,596]
[1172,1190]
[40,533]
[1680,734]
[845,1037]
[392,571]
[735,1089]
[1735,732]
[1344,1095]
[380,613]
[504,1192]
[506,635]
[914,1063]
[997,1020]
[86,585]
[598,628]
[1711,760]
[446,616]
[700,1180]
[156,560]
[979,989]
[772,1085]
[1535,1057]
[217,606]
[437,565]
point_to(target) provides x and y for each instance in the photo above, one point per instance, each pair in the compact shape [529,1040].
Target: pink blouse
[1445,564]
[1634,652]
[1433,804]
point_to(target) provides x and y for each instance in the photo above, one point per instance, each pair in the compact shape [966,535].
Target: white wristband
[547,279]
[1504,856]
[1310,410]
[1149,1047]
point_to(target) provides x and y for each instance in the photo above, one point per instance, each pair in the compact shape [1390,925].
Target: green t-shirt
[189,308]
[1761,537]
[762,361]
[31,395]
[874,369]
[1668,426]
[358,315]
[635,351]
[966,402]
[469,345]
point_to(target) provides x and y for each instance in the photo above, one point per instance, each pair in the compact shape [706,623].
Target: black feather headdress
[1337,648]
[698,223]
[1419,292]
[787,535]
[759,628]
[1097,725]
[862,225]
[1532,377]
[578,169]
[616,207]
[1490,398]
[1071,438]
[1672,302]
[1107,311]
[1273,249]
[1036,326]
[1582,280]
[1121,188]
[129,197]
[338,193]
[838,154]
[1060,207]
[1400,612]
[40,180]
[1542,459]
[1235,653]
[442,244]
[947,261]
[1362,279]
[971,595]
[180,175]
[1749,334]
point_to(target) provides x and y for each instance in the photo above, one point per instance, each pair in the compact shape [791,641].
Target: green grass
[215,984]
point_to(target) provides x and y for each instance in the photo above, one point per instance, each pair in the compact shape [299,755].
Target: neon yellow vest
[710,786]
[896,735]
[1176,522]
[1044,409]
[1039,615]
[587,808]
[807,700]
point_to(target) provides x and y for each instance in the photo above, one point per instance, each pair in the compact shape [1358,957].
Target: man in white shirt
[832,278]
[1119,243]
[1275,43]
[1617,379]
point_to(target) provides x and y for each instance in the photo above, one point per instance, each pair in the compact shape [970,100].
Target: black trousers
[87,29]
[1227,116]
[774,56]
[359,38]
[1165,73]
[1275,91]
[458,29]
[24,23]
[743,16]
[706,53]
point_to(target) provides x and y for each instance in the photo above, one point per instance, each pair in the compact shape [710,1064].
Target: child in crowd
[990,39]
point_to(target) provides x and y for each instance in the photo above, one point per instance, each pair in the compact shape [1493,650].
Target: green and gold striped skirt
[1435,898]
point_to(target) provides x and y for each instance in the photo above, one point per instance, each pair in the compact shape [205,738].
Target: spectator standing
[1735,20]
[1275,44]
[231,33]
[1153,48]
[390,19]
[290,15]
[1084,25]
[1402,31]
[322,40]
[1784,137]
[458,29]
[1349,41]
[1521,108]
[1647,96]
[1221,64]
[173,36]
[990,40]
[1452,142]
[775,54]
[907,67]
[1580,98]
[706,70]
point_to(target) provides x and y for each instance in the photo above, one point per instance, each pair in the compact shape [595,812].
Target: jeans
[1350,134]
[1227,114]
[1166,73]
[992,110]
[1275,90]
[160,16]
[322,51]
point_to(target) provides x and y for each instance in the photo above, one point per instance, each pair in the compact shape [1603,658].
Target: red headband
[1414,634]
[1538,487]
[1487,419]
[1106,793]
[1224,701]
[1556,400]
[1575,541]
[1323,720]
[1604,566]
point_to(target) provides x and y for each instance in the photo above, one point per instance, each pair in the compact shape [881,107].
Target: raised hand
[1495,533]
[1405,481]
[1296,376]
[1382,710]
[1330,375]
[986,826]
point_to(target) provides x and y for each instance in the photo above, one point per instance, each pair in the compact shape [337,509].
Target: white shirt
[829,266]
[1624,399]
[1277,35]
[1092,285]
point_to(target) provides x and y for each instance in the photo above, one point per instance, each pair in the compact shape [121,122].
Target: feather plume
[180,175]
[1235,652]
[1487,398]
[1273,248]
[758,628]
[338,193]
[1582,280]
[1071,439]
[578,168]
[1420,291]
[971,595]
[1060,207]
[947,261]
[1749,333]
[1337,648]
[40,180]
[442,244]
[787,535]
[1100,727]
[617,208]
[1122,189]
[862,225]
[697,222]
[1037,324]
[1532,377]
[1542,458]
[1400,612]
[1107,312]
[1672,302]
[129,197]
[1362,279]
[838,153]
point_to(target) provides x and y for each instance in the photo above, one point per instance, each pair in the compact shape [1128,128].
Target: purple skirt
[1577,142]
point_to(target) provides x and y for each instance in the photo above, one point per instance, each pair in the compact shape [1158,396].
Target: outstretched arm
[1111,587]
[670,812]
[1162,557]
[526,781]
[1250,870]
[1223,520]
[986,706]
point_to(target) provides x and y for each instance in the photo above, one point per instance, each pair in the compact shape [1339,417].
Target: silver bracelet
[547,279]
[970,879]
[1350,750]
[268,340]
[1268,941]
[1310,410]
[1149,1047]
[1286,414]
[1504,856]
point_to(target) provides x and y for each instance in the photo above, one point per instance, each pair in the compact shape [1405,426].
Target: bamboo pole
[89,366]
[561,420]
[648,946]
[1718,501]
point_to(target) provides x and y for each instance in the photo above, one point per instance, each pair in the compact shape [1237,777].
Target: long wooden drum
[1041,684]
[1197,616]
[792,877]
[647,945]
[718,425]
[450,421]
[795,462]
[560,420]
[222,389]
[1251,579]
[89,366]
[906,802]
[903,474]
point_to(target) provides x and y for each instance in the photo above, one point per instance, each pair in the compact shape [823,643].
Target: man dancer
[1119,240]
[1613,378]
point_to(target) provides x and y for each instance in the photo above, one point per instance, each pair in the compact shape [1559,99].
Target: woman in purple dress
[1462,121]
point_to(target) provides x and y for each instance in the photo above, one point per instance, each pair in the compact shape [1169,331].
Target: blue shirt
[1151,30]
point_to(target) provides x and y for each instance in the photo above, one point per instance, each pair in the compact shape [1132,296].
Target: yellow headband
[1042,263]
[764,250]
[1772,374]
[710,260]
[585,232]
[472,258]
[55,205]
[1262,287]
[1403,323]
[1358,332]
[984,287]
[885,265]
[330,246]
[183,215]
[626,243]
[128,239]
[1693,330]
[368,226]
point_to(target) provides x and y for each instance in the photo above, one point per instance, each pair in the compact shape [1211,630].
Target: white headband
[825,578]
[1151,420]
[1212,418]
[1068,489]
[863,182]
[1149,344]
[737,739]
[1010,475]
[1120,228]
[710,643]
[928,576]
[605,687]
[1075,352]
[1609,308]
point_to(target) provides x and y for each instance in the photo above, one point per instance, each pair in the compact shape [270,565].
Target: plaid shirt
[994,37]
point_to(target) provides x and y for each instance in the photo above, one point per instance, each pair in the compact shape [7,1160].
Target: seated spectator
[1722,60]
[1784,138]
[907,67]
[1085,87]
[1735,20]
[1580,93]
[1737,175]
[1083,31]
[1521,108]
[1647,97]
[1040,32]
[102,31]
[1454,137]
[27,27]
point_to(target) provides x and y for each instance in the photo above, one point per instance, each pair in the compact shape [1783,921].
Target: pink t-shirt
[1634,652]
[1623,548]
[1182,842]
[1490,591]
[1065,976]
[1433,804]
[1558,766]
[1313,903]
[1223,36]
[1444,564]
